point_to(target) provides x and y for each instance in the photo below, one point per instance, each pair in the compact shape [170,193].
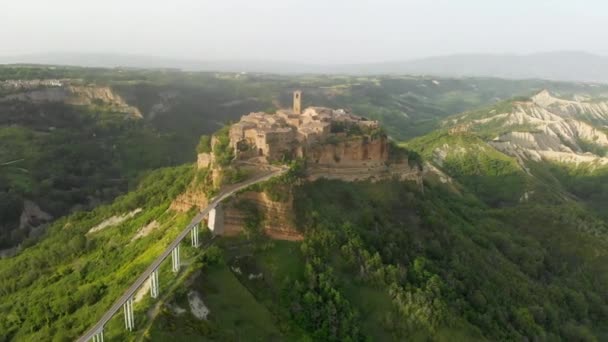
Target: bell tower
[297,102]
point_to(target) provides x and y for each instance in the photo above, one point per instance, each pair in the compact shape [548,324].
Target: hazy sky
[308,31]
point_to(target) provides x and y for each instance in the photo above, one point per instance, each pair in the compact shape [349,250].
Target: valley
[78,137]
[415,208]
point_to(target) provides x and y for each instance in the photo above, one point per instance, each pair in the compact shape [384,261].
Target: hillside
[544,127]
[73,139]
[446,237]
[555,149]
[70,148]
[380,259]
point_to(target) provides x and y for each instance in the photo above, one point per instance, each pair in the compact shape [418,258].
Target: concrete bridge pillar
[175,259]
[154,284]
[129,319]
[215,221]
[194,236]
[98,337]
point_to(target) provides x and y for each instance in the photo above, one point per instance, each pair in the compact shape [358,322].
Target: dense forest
[387,261]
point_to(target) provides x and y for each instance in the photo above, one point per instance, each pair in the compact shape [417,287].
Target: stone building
[288,131]
[297,102]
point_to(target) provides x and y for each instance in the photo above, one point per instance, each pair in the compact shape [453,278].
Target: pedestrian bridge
[151,273]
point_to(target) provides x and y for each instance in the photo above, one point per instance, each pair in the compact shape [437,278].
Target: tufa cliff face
[356,159]
[194,197]
[204,160]
[77,95]
[360,151]
[88,95]
[277,219]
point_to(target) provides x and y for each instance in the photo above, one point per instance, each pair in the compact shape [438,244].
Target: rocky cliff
[350,152]
[544,127]
[193,197]
[77,95]
[277,219]
[356,158]
[88,95]
[580,107]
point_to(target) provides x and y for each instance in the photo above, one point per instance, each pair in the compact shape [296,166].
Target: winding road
[225,193]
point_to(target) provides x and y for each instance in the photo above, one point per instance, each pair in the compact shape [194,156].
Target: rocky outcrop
[32,223]
[204,160]
[350,152]
[77,95]
[114,220]
[146,230]
[194,197]
[547,127]
[277,216]
[32,216]
[355,159]
[581,107]
[523,153]
[351,159]
[88,95]
[550,136]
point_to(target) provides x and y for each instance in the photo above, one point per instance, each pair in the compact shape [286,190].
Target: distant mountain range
[563,66]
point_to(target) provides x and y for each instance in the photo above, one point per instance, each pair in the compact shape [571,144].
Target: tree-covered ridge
[587,183]
[386,261]
[501,273]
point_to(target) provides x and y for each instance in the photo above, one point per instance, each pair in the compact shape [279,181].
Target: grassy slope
[493,176]
[240,308]
[235,313]
[61,286]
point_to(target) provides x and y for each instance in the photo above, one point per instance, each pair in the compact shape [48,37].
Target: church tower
[297,102]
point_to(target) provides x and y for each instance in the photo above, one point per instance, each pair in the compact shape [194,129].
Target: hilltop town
[334,143]
[291,132]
